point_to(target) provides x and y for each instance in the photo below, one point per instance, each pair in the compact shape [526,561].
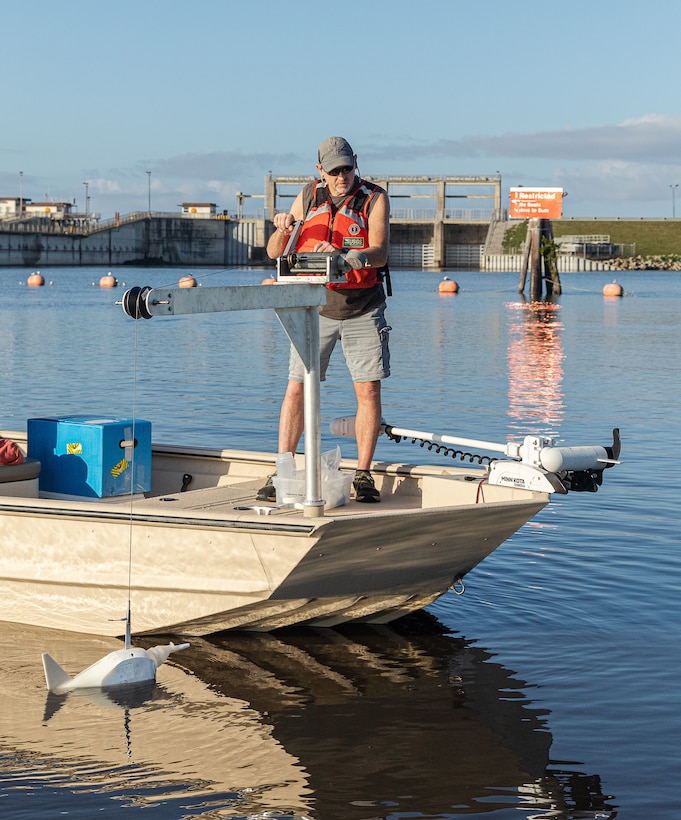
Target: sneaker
[268,491]
[365,490]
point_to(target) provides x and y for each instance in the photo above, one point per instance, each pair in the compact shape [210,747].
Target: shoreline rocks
[661,262]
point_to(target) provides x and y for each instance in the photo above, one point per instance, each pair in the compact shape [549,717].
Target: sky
[211,95]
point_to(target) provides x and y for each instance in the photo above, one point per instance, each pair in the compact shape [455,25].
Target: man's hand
[356,259]
[284,222]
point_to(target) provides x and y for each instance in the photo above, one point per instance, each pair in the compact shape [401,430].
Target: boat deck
[241,497]
[223,484]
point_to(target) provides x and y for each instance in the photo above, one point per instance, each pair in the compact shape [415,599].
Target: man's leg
[292,417]
[367,426]
[291,424]
[367,421]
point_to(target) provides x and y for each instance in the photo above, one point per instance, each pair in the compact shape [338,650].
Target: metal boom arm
[297,308]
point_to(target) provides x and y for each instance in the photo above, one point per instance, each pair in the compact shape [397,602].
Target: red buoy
[35,280]
[613,289]
[108,281]
[449,286]
[187,282]
[269,282]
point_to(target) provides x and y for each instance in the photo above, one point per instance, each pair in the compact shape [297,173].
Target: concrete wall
[166,240]
[423,233]
[169,239]
[566,264]
[437,239]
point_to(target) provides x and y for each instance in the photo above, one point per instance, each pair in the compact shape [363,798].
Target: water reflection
[353,724]
[177,749]
[535,366]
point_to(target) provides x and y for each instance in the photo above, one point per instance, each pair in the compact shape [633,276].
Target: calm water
[550,689]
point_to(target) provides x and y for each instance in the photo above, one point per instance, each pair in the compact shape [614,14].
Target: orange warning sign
[536,203]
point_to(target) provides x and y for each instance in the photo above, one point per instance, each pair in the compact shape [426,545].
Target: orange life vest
[345,227]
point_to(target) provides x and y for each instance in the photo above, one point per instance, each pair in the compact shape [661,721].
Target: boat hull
[204,561]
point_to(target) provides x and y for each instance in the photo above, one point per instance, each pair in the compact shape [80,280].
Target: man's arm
[379,232]
[376,254]
[283,224]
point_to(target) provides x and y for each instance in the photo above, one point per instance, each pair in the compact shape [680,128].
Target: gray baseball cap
[335,152]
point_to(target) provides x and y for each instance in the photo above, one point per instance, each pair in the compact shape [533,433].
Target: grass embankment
[650,237]
[656,244]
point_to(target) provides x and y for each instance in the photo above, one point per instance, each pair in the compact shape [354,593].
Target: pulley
[134,303]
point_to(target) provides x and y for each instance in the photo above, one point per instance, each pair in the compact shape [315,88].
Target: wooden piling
[534,237]
[539,256]
[549,255]
[523,265]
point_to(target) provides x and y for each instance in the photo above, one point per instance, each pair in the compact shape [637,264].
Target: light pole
[674,187]
[87,198]
[21,194]
[149,189]
[498,199]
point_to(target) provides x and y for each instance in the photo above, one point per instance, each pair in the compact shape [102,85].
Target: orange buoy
[35,280]
[449,286]
[269,282]
[187,282]
[108,281]
[613,289]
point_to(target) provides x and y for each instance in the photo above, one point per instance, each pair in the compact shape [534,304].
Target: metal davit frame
[295,299]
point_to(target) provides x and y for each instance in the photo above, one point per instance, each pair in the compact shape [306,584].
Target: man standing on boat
[343,212]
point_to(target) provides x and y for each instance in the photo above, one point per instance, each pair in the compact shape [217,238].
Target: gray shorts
[365,346]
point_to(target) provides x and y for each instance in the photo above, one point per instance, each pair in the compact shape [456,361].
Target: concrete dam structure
[428,233]
[139,239]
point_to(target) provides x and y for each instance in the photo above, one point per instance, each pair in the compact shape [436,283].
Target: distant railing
[261,214]
[432,214]
[82,225]
[44,225]
[588,248]
[595,238]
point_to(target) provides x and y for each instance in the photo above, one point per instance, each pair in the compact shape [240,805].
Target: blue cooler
[91,456]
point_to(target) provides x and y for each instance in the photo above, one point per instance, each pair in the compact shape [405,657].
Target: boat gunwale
[97,512]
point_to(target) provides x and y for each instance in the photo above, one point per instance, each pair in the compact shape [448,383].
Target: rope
[132,483]
[203,276]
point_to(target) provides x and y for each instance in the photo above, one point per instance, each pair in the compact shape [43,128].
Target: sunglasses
[345,169]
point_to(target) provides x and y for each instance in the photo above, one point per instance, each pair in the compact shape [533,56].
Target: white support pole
[313,505]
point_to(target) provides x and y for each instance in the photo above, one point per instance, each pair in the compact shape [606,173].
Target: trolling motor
[535,464]
[579,469]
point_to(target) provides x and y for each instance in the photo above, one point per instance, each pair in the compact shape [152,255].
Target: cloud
[652,138]
[222,164]
[620,182]
[190,177]
[608,168]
